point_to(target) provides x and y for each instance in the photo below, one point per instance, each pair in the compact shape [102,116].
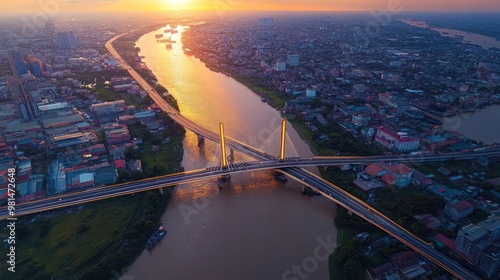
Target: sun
[176,4]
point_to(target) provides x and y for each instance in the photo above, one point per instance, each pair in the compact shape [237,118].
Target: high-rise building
[472,240]
[66,40]
[35,66]
[266,22]
[293,59]
[489,261]
[491,224]
[21,89]
[17,63]
[50,28]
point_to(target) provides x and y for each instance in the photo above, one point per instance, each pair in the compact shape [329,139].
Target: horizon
[91,6]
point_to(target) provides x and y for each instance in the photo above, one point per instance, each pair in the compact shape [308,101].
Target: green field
[69,243]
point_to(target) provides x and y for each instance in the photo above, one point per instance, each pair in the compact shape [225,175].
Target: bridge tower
[282,140]
[223,155]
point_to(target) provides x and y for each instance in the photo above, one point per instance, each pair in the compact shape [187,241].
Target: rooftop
[462,205]
[491,223]
[473,232]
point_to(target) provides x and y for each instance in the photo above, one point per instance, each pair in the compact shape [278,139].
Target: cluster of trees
[133,241]
[404,204]
[348,257]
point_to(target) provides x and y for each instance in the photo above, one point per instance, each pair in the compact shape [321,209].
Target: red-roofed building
[119,163]
[389,179]
[458,210]
[398,141]
[398,175]
[375,170]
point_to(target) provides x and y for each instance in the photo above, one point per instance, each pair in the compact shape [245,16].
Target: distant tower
[35,66]
[50,28]
[293,60]
[66,40]
[17,63]
[266,22]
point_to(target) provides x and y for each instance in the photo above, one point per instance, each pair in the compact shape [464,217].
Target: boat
[155,238]
[263,99]
[158,36]
[174,31]
[168,46]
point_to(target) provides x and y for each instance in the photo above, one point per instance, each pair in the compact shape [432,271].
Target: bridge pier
[201,139]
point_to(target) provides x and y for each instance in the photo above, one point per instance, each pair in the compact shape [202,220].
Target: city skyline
[30,6]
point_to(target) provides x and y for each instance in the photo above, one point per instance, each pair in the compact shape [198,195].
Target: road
[334,193]
[100,193]
[370,214]
[175,114]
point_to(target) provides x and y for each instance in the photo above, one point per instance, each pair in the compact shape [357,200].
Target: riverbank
[107,235]
[98,240]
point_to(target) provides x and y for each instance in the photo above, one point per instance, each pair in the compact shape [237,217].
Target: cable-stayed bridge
[232,156]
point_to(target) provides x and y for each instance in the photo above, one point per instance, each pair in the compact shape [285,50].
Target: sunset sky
[33,6]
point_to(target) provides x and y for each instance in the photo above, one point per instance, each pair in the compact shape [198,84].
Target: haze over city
[250,139]
[27,6]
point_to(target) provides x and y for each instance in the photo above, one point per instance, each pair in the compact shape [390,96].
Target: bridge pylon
[282,140]
[223,156]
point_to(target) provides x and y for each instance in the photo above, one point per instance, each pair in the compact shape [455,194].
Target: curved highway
[370,214]
[266,162]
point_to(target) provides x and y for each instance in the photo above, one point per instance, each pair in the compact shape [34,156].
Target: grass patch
[107,95]
[276,97]
[73,241]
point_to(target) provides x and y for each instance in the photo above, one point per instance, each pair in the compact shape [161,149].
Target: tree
[353,268]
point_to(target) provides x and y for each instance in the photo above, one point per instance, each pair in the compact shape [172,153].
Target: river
[256,227]
[480,125]
[472,38]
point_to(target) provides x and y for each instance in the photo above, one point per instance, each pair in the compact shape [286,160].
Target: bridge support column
[201,139]
[223,146]
[282,142]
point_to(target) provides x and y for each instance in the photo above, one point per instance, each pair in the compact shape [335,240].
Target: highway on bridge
[264,161]
[94,194]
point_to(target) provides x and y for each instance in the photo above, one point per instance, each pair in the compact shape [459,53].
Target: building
[311,93]
[50,27]
[280,66]
[399,141]
[266,22]
[106,108]
[17,63]
[472,240]
[21,88]
[393,175]
[489,261]
[293,60]
[35,66]
[457,210]
[491,224]
[66,40]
